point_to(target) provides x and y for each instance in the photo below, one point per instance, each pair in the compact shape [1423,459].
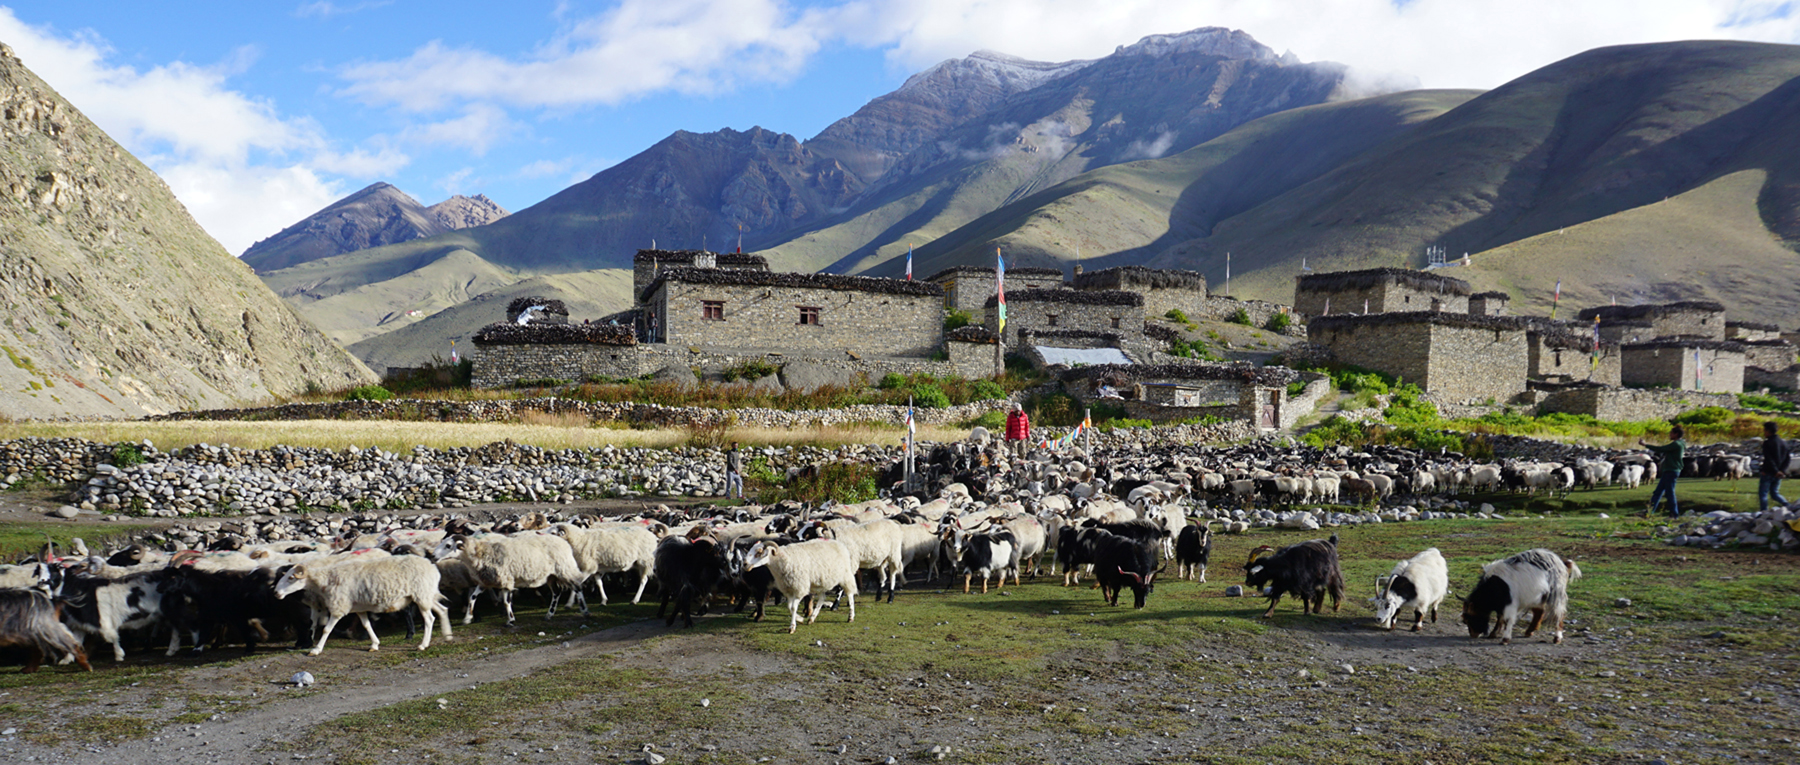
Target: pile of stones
[1769,528]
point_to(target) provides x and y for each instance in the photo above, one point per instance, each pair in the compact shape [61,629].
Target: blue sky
[259,113]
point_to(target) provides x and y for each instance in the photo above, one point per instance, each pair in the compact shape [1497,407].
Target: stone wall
[1454,356]
[1224,308]
[1488,304]
[967,289]
[767,318]
[499,366]
[1757,378]
[1627,405]
[1566,362]
[1035,314]
[1769,354]
[1692,323]
[1660,365]
[647,264]
[1386,297]
[1745,331]
[1317,387]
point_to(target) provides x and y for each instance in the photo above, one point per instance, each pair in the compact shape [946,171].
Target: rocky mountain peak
[1216,41]
[1010,74]
[460,212]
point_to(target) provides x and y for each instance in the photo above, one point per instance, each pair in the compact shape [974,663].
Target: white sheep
[610,548]
[879,545]
[1420,582]
[812,568]
[507,564]
[1029,540]
[365,585]
[918,543]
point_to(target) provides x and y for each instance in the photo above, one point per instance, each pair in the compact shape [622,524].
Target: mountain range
[1634,173]
[117,303]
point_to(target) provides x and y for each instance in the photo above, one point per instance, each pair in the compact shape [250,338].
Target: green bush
[1760,401]
[1240,317]
[368,393]
[1706,415]
[533,382]
[956,319]
[1055,409]
[986,390]
[1279,322]
[892,381]
[127,454]
[1175,315]
[1124,422]
[1194,350]
[754,369]
[929,396]
[1406,408]
[1360,382]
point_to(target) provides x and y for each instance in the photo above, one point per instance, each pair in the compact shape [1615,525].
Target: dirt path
[239,738]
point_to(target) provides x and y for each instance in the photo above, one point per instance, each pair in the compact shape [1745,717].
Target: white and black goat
[1420,583]
[1534,580]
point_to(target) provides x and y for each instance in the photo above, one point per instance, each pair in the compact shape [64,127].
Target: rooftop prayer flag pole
[1596,359]
[1000,300]
[1555,298]
[909,262]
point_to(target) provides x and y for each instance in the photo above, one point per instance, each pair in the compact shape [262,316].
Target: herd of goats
[972,511]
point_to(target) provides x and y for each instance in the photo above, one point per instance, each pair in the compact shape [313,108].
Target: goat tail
[1574,570]
[1333,541]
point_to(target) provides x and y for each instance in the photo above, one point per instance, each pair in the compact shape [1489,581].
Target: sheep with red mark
[507,564]
[366,585]
[1420,583]
[1308,569]
[1534,580]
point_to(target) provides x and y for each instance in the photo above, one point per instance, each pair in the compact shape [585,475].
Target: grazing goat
[805,569]
[1309,570]
[1121,562]
[29,619]
[1534,580]
[1420,582]
[96,605]
[363,586]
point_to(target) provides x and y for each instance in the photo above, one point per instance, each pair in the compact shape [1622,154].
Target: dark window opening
[712,310]
[1050,319]
[1115,322]
[809,315]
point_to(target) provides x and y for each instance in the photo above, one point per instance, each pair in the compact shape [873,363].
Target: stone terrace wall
[1402,350]
[1317,387]
[1625,404]
[499,366]
[767,318]
[1222,308]
[651,415]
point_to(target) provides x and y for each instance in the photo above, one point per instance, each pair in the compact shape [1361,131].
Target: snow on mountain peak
[1217,41]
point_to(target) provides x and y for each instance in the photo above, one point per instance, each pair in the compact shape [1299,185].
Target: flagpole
[909,443]
[1000,307]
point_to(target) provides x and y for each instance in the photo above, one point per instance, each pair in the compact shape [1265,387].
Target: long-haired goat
[1420,582]
[1534,580]
[1309,570]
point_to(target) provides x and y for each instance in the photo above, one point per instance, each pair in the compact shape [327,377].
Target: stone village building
[967,288]
[1378,290]
[1466,359]
[1114,311]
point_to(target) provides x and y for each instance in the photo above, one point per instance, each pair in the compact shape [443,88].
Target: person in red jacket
[1018,430]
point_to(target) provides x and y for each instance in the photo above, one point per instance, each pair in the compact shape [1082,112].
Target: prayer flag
[909,262]
[1000,286]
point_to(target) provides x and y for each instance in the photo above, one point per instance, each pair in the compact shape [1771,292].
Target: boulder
[674,373]
[808,376]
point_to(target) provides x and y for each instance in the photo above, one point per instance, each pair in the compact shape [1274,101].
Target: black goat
[687,572]
[1309,570]
[1193,549]
[1120,562]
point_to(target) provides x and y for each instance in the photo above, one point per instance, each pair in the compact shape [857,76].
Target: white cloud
[1445,43]
[480,127]
[326,9]
[636,48]
[242,169]
[456,182]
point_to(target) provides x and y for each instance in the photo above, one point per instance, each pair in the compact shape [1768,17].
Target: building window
[809,315]
[1115,322]
[1050,319]
[712,310]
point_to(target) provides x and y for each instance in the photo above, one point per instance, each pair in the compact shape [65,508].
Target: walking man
[1776,454]
[1018,430]
[734,472]
[1668,468]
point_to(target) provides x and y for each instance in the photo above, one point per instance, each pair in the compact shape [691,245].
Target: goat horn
[1134,575]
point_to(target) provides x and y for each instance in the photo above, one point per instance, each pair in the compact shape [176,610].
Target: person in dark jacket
[1668,468]
[734,472]
[1776,454]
